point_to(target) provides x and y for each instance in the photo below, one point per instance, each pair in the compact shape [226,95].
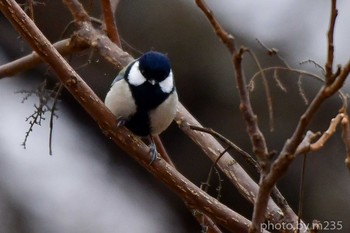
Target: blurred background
[89,185]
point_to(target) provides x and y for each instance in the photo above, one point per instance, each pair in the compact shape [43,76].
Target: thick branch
[64,47]
[256,136]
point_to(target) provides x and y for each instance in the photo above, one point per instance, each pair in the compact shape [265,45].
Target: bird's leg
[153,149]
[121,121]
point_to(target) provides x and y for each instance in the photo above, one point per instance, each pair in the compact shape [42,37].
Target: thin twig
[162,151]
[301,90]
[267,89]
[206,184]
[273,52]
[345,72]
[109,22]
[301,191]
[241,152]
[330,51]
[225,37]
[53,109]
[346,138]
[314,63]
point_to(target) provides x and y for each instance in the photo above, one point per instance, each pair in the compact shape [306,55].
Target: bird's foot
[153,150]
[121,121]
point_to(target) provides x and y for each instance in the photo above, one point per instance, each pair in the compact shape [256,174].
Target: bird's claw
[121,121]
[153,150]
[154,153]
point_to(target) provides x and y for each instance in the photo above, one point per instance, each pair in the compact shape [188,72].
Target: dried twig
[330,52]
[273,52]
[225,37]
[267,89]
[241,152]
[309,144]
[45,97]
[346,138]
[314,63]
[53,109]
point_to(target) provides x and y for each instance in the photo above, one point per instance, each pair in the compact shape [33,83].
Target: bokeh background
[89,185]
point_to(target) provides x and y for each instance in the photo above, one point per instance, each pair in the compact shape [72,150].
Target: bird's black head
[154,66]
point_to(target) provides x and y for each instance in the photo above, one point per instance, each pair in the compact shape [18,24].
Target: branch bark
[109,22]
[64,47]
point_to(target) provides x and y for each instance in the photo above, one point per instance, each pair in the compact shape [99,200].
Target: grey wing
[119,99]
[120,76]
[123,72]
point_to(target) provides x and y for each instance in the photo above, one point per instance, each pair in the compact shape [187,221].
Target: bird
[143,97]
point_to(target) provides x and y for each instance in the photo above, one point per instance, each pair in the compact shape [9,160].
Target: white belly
[164,114]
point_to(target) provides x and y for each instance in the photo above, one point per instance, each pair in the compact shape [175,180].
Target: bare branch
[273,52]
[307,145]
[53,109]
[330,52]
[64,47]
[301,90]
[109,22]
[225,37]
[267,89]
[327,134]
[256,136]
[346,138]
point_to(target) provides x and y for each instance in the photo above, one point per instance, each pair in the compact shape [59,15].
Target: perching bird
[143,97]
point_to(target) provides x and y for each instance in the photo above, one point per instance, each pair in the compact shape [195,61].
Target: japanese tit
[143,97]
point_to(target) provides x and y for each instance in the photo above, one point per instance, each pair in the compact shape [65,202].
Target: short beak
[152,81]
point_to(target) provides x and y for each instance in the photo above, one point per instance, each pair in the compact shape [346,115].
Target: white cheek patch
[167,84]
[135,77]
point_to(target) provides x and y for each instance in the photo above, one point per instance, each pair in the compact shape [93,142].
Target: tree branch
[330,51]
[307,145]
[109,22]
[225,37]
[346,138]
[64,47]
